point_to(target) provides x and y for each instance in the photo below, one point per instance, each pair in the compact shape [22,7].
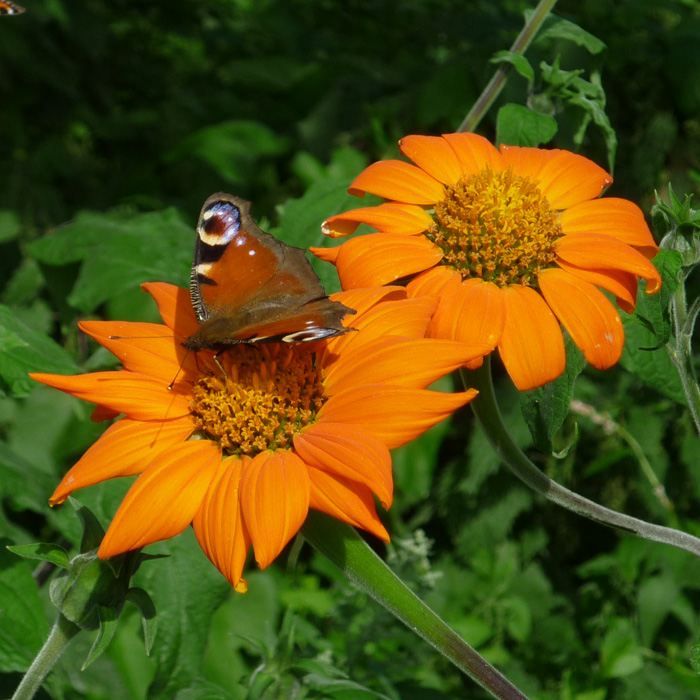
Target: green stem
[486,409]
[682,353]
[351,554]
[605,421]
[493,89]
[61,633]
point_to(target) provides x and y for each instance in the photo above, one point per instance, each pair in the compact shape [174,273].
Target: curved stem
[489,416]
[682,353]
[61,633]
[351,554]
[493,89]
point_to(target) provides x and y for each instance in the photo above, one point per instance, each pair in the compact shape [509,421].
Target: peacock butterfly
[10,8]
[248,287]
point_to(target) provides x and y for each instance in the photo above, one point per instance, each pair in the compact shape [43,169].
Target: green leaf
[695,658]
[558,28]
[93,532]
[569,88]
[43,551]
[151,247]
[79,592]
[24,626]
[518,61]
[620,653]
[301,219]
[518,618]
[147,608]
[9,225]
[24,285]
[519,126]
[545,409]
[653,366]
[105,634]
[655,308]
[76,240]
[191,590]
[21,483]
[119,253]
[657,596]
[307,596]
[23,350]
[232,148]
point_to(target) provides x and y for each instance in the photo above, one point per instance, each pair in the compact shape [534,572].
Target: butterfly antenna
[146,337]
[179,369]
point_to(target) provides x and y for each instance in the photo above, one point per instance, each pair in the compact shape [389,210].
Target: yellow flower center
[266,396]
[497,226]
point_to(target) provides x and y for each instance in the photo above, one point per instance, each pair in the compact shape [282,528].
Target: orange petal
[218,524]
[400,362]
[124,449]
[532,344]
[614,217]
[163,501]
[382,258]
[274,495]
[326,254]
[568,179]
[391,217]
[472,311]
[366,298]
[346,500]
[596,252]
[587,315]
[100,413]
[349,452]
[394,415]
[145,348]
[174,306]
[526,161]
[474,153]
[433,155]
[431,281]
[366,302]
[136,395]
[399,181]
[407,318]
[622,284]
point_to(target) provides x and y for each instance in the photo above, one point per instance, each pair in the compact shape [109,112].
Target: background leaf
[519,126]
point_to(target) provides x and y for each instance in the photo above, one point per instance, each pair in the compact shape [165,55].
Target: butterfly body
[248,287]
[10,8]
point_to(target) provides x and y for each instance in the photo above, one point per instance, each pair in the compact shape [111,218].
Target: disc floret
[497,226]
[261,400]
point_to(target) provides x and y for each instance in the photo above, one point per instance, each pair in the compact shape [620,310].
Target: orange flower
[244,455]
[514,242]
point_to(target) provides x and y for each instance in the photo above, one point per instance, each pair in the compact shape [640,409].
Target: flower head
[242,446]
[514,242]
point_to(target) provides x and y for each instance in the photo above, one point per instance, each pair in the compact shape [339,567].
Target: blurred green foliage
[119,118]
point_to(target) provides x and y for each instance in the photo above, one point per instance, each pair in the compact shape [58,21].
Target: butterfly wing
[10,8]
[246,286]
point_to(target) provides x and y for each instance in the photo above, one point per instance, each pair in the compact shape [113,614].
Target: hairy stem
[489,416]
[493,89]
[351,554]
[61,633]
[681,352]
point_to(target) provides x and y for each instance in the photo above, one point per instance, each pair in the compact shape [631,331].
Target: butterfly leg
[221,367]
